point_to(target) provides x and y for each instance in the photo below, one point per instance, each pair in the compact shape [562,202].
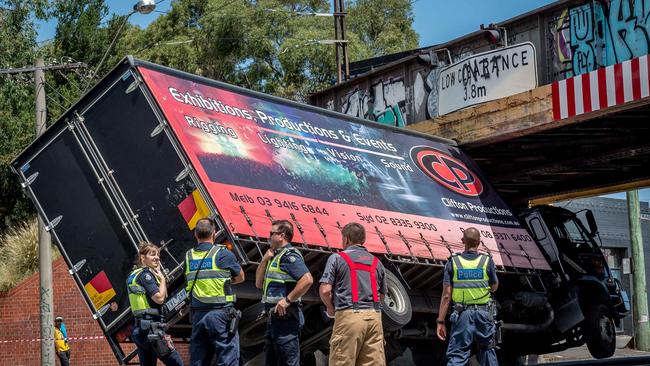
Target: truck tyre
[600,332]
[396,307]
[252,332]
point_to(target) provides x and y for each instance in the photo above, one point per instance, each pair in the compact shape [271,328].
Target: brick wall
[19,324]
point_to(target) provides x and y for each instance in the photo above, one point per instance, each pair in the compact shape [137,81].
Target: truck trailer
[149,150]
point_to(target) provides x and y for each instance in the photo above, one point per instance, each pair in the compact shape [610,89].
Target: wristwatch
[438,321]
[286,298]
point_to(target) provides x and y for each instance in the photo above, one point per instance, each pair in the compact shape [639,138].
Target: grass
[19,254]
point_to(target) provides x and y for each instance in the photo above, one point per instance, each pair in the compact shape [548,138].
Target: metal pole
[44,241]
[344,46]
[640,296]
[337,36]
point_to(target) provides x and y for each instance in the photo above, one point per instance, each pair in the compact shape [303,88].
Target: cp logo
[447,170]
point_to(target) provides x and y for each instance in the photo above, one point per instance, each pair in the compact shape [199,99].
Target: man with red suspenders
[352,288]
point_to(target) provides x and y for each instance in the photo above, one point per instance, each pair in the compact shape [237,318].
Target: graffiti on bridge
[598,34]
[384,102]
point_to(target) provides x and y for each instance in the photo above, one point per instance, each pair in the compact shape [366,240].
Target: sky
[439,21]
[436,21]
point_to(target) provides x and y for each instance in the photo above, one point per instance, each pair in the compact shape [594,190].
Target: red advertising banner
[262,159]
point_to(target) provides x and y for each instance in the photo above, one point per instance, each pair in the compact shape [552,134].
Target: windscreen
[264,159]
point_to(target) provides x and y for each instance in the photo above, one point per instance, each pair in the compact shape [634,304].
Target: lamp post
[142,7]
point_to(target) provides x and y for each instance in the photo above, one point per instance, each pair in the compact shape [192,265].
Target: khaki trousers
[357,339]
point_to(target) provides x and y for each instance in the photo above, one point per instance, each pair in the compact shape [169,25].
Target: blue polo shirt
[225,260]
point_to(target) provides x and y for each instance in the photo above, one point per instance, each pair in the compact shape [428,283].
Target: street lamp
[142,7]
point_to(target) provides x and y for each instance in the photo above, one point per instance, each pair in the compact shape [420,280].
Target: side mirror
[591,221]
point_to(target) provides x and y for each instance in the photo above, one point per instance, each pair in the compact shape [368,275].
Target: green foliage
[17,49]
[268,45]
[78,31]
[384,25]
[19,253]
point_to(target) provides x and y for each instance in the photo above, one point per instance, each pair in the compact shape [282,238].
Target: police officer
[357,280]
[147,289]
[284,279]
[210,269]
[469,278]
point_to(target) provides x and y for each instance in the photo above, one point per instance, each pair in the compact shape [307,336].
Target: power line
[119,30]
[70,81]
[29,69]
[56,102]
[57,92]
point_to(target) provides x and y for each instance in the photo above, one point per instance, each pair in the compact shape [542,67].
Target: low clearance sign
[487,76]
[263,160]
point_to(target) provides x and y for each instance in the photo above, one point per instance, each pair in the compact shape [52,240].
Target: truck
[149,150]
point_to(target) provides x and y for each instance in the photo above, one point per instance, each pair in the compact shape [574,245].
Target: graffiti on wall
[597,34]
[431,83]
[384,102]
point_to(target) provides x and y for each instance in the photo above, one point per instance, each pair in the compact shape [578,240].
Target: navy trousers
[145,352]
[282,345]
[472,325]
[210,337]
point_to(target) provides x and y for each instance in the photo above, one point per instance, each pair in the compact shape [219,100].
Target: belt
[350,310]
[148,317]
[474,306]
[151,319]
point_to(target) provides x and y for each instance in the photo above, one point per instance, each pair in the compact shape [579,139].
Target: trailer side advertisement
[262,160]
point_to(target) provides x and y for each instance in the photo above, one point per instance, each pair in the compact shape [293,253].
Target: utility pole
[640,296]
[46,304]
[44,239]
[342,61]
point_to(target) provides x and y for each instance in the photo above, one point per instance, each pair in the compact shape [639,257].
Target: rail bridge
[567,117]
[554,143]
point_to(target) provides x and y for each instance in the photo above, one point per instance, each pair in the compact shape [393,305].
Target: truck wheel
[396,306]
[600,332]
[252,332]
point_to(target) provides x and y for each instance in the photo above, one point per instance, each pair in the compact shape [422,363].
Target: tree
[84,29]
[269,45]
[17,49]
[384,25]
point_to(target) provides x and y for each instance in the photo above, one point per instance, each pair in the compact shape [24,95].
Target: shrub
[19,253]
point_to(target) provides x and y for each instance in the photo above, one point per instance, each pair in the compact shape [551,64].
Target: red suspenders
[371,269]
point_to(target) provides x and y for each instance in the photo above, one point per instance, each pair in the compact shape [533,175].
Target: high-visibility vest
[275,274]
[355,264]
[60,344]
[212,283]
[470,284]
[138,295]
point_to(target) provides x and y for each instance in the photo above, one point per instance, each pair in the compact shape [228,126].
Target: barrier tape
[50,339]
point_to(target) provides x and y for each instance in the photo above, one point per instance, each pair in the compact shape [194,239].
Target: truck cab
[588,301]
